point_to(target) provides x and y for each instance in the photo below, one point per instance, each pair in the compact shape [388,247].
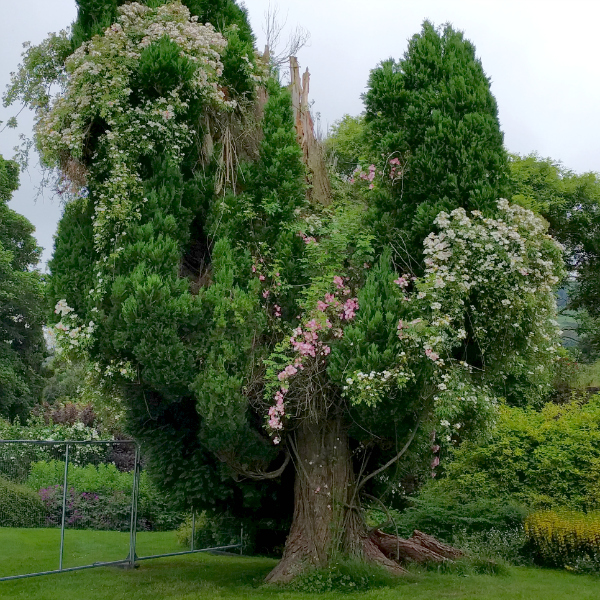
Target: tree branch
[261,475]
[361,484]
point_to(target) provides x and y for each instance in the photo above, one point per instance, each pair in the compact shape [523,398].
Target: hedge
[20,506]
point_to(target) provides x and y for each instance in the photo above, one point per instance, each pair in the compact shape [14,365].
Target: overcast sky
[543,57]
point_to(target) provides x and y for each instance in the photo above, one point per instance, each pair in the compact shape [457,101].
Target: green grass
[203,576]
[38,549]
[588,376]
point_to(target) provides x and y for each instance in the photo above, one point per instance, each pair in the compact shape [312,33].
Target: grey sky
[542,56]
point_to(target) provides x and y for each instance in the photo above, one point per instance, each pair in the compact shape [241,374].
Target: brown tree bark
[325,521]
[419,548]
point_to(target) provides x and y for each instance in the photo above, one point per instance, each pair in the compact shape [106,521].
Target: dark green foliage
[263,537]
[9,180]
[571,204]
[434,110]
[94,16]
[22,345]
[273,185]
[371,343]
[344,576]
[235,65]
[192,344]
[448,507]
[20,506]
[345,144]
[532,460]
[15,229]
[223,14]
[261,218]
[161,69]
[73,257]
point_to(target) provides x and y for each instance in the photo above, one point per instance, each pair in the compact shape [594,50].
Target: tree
[345,144]
[434,112]
[22,345]
[273,362]
[571,204]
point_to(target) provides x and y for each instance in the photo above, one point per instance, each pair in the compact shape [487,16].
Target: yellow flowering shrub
[565,537]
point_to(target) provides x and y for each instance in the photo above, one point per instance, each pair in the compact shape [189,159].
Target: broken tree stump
[319,188]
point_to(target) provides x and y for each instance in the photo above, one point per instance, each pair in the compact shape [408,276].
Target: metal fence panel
[70,505]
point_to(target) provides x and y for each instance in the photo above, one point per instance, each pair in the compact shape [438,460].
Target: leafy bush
[566,538]
[344,576]
[156,511]
[536,459]
[90,478]
[493,544]
[19,505]
[210,531]
[87,510]
[99,497]
[468,504]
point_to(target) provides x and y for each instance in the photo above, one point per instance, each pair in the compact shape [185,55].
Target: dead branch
[277,53]
[261,475]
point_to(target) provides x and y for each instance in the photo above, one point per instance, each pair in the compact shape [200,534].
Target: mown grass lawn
[203,576]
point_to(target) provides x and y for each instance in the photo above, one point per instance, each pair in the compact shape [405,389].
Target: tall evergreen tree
[269,356]
[434,111]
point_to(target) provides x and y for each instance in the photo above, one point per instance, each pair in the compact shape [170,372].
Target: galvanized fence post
[134,507]
[193,528]
[64,509]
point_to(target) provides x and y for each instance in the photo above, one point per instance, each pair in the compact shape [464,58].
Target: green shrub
[100,497]
[505,544]
[533,460]
[90,478]
[469,503]
[212,530]
[566,538]
[344,576]
[19,506]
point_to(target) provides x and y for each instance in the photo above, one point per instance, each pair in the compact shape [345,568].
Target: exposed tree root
[420,548]
[300,555]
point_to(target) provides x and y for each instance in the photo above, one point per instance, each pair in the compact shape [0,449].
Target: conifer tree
[434,111]
[273,361]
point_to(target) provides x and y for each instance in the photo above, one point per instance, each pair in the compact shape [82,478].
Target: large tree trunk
[327,517]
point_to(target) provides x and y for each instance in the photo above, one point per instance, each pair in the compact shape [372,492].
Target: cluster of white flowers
[489,286]
[98,91]
[492,278]
[461,405]
[122,367]
[371,388]
[70,332]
